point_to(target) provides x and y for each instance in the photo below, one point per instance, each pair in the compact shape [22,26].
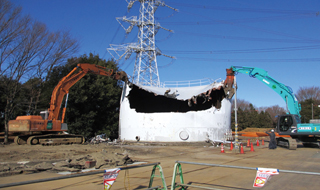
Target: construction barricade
[262,175]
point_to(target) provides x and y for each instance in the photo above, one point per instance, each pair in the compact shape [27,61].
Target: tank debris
[149,102]
[151,99]
[173,95]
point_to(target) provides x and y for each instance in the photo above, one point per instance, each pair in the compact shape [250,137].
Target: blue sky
[282,37]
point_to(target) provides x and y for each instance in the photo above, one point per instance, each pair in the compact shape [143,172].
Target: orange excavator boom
[68,81]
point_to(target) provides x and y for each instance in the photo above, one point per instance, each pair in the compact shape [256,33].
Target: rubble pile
[97,160]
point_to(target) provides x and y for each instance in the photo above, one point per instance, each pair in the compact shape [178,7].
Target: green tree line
[266,117]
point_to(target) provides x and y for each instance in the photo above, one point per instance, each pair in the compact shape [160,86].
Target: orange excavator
[48,128]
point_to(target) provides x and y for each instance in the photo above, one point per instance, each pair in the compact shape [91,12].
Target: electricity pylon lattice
[145,68]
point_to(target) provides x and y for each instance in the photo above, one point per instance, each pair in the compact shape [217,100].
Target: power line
[278,11]
[174,12]
[251,60]
[243,20]
[117,31]
[262,50]
[252,28]
[247,38]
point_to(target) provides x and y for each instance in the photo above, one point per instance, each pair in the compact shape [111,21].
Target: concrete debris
[44,166]
[173,95]
[99,139]
[90,164]
[98,160]
[4,168]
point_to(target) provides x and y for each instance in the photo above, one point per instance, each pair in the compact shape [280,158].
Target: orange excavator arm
[68,81]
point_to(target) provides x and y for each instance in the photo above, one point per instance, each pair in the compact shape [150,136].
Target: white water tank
[191,114]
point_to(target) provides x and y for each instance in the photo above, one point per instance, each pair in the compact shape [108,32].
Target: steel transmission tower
[145,68]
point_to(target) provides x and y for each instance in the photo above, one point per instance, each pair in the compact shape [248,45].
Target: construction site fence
[177,171]
[155,166]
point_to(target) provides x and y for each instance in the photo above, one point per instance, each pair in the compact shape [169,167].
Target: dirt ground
[22,159]
[26,159]
[40,162]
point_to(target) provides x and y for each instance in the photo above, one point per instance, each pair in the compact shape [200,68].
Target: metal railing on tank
[189,83]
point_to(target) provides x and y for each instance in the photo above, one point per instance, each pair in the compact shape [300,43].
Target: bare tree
[242,104]
[28,50]
[274,111]
[59,47]
[12,26]
[305,93]
[20,62]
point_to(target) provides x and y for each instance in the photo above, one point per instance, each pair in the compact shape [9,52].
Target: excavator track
[287,142]
[55,139]
[19,141]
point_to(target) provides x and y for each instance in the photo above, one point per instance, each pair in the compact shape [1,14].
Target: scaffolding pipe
[152,188]
[236,117]
[247,168]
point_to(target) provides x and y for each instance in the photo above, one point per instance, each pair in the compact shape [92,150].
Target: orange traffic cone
[262,141]
[231,146]
[241,150]
[258,142]
[251,150]
[222,150]
[248,143]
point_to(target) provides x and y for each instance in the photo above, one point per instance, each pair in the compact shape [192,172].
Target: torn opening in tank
[154,99]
